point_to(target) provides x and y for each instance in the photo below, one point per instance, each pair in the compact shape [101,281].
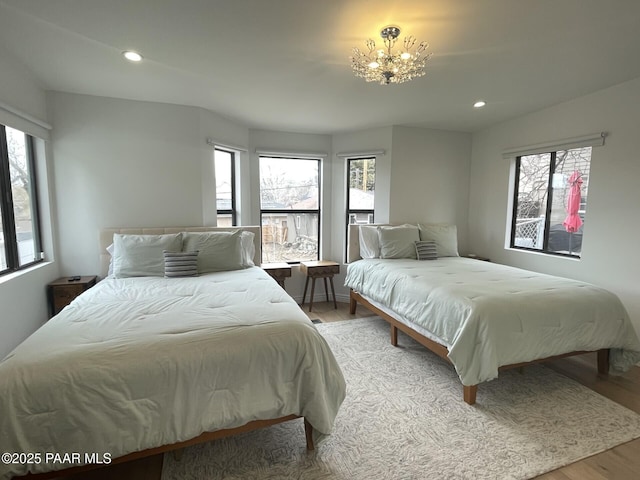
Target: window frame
[233,210]
[548,207]
[317,212]
[9,228]
[349,211]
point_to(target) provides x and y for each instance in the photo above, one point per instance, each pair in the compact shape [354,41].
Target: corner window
[289,209]
[225,187]
[19,224]
[361,186]
[550,204]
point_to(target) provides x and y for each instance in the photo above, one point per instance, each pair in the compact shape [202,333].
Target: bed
[139,365]
[480,316]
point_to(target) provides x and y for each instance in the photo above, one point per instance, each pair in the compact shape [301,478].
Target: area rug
[404,418]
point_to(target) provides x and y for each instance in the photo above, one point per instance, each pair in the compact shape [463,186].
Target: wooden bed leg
[352,303]
[603,361]
[470,393]
[177,454]
[308,434]
[394,335]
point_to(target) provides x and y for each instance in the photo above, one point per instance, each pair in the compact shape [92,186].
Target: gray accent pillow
[180,264]
[426,250]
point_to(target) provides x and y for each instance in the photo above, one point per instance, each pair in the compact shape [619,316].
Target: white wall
[610,255]
[127,163]
[430,178]
[23,305]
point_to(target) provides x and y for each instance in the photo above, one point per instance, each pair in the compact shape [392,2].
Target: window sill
[14,275]
[543,254]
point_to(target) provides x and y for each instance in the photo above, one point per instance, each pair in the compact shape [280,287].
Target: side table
[61,292]
[319,269]
[278,271]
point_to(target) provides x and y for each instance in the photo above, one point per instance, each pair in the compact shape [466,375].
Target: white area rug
[404,418]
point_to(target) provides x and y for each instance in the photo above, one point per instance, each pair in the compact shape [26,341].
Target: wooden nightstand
[320,269]
[61,292]
[278,271]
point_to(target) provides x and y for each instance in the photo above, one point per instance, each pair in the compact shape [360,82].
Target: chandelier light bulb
[386,66]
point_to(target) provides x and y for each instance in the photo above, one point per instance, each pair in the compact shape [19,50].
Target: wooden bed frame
[205,437]
[106,238]
[469,391]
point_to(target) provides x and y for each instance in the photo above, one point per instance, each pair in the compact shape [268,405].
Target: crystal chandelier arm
[385,66]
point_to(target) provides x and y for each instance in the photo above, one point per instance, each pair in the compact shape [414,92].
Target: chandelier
[384,66]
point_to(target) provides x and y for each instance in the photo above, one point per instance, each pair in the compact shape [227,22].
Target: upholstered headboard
[353,241]
[106,239]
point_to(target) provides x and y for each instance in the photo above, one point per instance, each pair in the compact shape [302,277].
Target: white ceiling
[284,64]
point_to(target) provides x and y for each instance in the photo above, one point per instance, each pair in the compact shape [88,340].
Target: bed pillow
[180,264]
[109,250]
[426,250]
[398,241]
[369,244]
[218,251]
[445,236]
[142,255]
[248,248]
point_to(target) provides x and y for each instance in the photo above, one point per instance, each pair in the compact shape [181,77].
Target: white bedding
[138,363]
[490,315]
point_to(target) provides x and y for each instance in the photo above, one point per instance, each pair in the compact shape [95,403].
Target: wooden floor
[619,463]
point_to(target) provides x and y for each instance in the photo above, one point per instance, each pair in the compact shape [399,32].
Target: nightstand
[319,269]
[61,292]
[278,271]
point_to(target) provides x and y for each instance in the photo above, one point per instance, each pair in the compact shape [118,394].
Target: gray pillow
[397,241]
[180,264]
[141,255]
[426,250]
[218,251]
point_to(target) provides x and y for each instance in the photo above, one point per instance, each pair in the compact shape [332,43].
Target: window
[550,201]
[361,186]
[225,187]
[19,232]
[289,209]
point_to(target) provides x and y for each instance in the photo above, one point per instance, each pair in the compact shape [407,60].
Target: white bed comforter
[490,315]
[142,362]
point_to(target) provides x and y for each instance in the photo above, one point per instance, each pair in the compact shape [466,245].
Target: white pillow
[445,236]
[218,251]
[142,255]
[248,248]
[109,250]
[369,244]
[398,241]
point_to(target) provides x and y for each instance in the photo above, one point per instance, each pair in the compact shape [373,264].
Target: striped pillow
[180,264]
[426,250]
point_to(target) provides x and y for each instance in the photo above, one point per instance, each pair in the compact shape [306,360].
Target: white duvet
[142,362]
[490,315]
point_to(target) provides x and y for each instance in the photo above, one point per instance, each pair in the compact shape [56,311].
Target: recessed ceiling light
[132,56]
[479,104]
